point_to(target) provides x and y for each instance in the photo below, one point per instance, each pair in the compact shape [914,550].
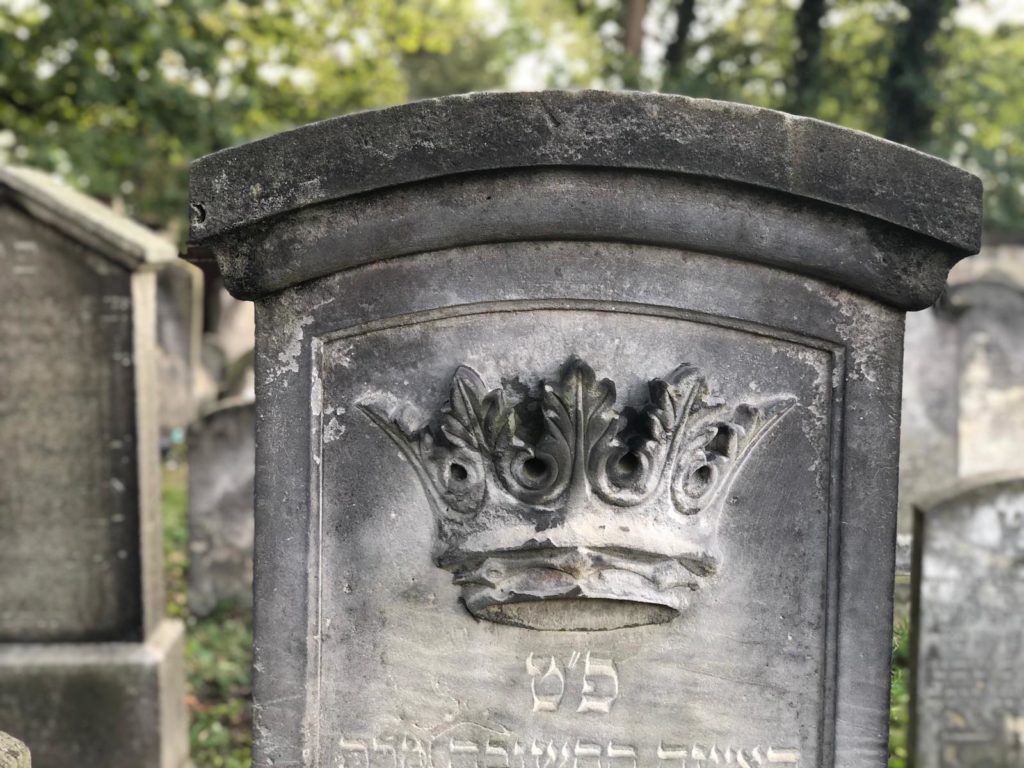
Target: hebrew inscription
[599,683]
[505,750]
[558,511]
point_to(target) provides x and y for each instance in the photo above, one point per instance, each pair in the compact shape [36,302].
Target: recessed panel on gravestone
[69,569]
[969,620]
[605,544]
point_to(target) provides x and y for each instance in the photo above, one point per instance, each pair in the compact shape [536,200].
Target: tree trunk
[805,93]
[675,54]
[634,27]
[908,95]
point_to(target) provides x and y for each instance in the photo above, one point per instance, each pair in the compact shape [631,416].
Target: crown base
[576,614]
[575,589]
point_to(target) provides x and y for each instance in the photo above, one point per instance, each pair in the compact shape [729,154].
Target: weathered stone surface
[13,753]
[222,464]
[99,705]
[80,529]
[968,704]
[179,336]
[76,354]
[931,407]
[552,462]
[487,131]
[991,385]
[963,385]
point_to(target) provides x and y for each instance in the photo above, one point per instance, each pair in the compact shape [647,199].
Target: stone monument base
[98,705]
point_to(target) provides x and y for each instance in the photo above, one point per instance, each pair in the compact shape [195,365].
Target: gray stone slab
[968,701]
[963,385]
[552,463]
[179,337]
[13,753]
[931,408]
[81,577]
[99,705]
[79,492]
[491,131]
[991,385]
[222,466]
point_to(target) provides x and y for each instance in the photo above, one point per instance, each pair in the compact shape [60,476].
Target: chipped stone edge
[340,157]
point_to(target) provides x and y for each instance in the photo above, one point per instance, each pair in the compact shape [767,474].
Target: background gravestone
[963,388]
[179,331]
[562,403]
[90,670]
[221,460]
[968,664]
[963,380]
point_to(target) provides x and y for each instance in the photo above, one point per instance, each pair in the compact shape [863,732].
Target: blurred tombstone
[470,541]
[991,392]
[13,753]
[179,336]
[963,385]
[235,331]
[221,457]
[91,672]
[968,664]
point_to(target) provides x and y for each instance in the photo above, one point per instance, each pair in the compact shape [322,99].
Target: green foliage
[174,505]
[218,649]
[899,705]
[219,658]
[119,97]
[979,121]
[744,57]
[899,68]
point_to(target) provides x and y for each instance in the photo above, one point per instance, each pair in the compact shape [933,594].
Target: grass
[899,706]
[218,648]
[218,655]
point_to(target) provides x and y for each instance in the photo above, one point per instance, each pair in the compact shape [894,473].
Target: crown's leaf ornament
[556,511]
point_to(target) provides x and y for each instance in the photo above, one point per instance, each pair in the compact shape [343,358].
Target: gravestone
[179,333]
[991,386]
[963,388]
[963,380]
[563,402]
[221,460]
[90,670]
[968,682]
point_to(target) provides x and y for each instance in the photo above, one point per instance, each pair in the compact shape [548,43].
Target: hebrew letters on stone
[577,428]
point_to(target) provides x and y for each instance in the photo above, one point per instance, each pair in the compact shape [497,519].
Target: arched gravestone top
[577,420]
[932,208]
[84,219]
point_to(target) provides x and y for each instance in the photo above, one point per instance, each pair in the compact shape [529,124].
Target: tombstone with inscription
[968,665]
[563,402]
[91,671]
[221,461]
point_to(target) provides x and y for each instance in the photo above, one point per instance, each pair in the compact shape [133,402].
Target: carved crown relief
[557,510]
